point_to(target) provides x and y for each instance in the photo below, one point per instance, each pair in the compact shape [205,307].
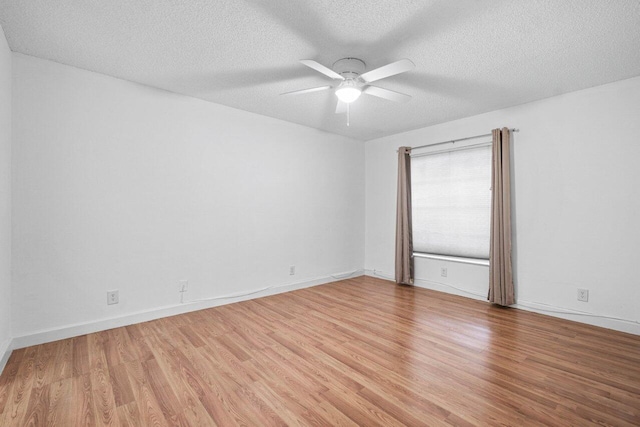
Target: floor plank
[360,351]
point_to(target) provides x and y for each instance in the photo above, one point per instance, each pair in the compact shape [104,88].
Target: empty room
[320,213]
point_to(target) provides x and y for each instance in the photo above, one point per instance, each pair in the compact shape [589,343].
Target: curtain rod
[451,150]
[453,141]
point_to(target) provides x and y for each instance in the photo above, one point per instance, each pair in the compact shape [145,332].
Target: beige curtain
[404,239]
[501,290]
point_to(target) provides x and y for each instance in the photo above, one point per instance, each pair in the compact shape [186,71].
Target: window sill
[474,261]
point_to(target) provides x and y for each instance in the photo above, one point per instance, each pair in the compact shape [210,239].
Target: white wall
[576,204]
[5,199]
[121,186]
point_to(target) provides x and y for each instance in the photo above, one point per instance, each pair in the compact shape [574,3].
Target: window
[451,202]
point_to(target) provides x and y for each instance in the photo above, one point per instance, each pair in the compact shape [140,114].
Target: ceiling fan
[354,82]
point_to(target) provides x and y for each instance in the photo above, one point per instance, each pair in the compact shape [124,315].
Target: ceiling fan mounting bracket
[349,67]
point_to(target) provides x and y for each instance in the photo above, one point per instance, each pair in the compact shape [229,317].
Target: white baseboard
[429,284]
[5,352]
[628,326]
[75,330]
[603,321]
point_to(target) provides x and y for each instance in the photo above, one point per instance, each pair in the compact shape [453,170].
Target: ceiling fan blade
[313,89]
[341,108]
[386,94]
[321,69]
[388,70]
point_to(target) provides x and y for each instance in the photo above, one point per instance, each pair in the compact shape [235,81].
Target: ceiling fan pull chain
[348,115]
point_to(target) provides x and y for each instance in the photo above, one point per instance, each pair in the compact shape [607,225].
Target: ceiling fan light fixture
[348,91]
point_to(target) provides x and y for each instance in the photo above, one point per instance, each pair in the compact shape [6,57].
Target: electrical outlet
[443,271]
[292,270]
[583,295]
[183,286]
[112,297]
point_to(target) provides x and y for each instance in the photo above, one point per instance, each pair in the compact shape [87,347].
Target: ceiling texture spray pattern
[471,56]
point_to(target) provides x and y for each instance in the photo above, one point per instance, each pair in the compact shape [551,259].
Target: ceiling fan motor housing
[349,68]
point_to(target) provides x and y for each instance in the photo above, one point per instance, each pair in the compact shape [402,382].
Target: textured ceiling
[471,56]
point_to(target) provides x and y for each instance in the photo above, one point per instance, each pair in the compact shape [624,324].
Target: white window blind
[451,202]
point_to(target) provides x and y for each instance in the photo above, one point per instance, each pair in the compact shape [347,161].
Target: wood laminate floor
[357,352]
